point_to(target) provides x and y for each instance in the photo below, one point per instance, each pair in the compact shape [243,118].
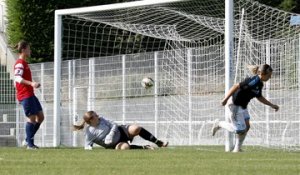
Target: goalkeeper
[112,136]
[237,100]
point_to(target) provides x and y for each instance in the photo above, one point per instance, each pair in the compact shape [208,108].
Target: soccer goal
[102,53]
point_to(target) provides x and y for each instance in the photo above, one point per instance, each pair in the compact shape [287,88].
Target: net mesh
[181,46]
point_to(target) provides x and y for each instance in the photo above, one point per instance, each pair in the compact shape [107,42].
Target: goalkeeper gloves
[109,138]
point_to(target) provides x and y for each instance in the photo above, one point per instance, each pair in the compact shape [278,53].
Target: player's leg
[128,132]
[239,141]
[40,115]
[135,130]
[141,147]
[35,117]
[243,128]
[31,118]
[229,126]
[126,146]
[122,146]
[29,129]
[39,119]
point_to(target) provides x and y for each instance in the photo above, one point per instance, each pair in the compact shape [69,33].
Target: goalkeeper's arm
[88,143]
[113,129]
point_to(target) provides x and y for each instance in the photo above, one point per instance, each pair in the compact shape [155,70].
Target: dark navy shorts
[31,106]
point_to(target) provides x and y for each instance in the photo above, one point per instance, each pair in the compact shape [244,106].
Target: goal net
[107,50]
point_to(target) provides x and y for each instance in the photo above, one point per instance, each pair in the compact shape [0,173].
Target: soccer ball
[147,82]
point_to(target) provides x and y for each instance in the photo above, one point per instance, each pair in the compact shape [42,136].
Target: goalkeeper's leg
[135,130]
[125,146]
[122,146]
[141,147]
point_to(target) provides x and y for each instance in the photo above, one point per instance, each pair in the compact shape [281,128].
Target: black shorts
[124,135]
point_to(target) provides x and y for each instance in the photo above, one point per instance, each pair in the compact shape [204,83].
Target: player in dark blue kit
[237,100]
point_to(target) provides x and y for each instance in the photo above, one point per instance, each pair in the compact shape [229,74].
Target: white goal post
[194,50]
[58,51]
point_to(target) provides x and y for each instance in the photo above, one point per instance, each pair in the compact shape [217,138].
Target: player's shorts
[31,106]
[124,135]
[238,116]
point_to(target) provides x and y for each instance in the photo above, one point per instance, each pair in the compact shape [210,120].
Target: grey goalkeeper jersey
[106,130]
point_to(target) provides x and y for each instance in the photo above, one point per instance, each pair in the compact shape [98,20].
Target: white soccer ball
[147,82]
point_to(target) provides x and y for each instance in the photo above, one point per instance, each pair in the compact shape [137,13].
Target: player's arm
[19,70]
[30,83]
[88,143]
[231,91]
[113,129]
[266,102]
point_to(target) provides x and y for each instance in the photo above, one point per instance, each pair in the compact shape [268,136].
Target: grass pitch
[169,161]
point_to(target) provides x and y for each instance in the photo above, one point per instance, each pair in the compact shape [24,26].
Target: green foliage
[33,20]
[14,17]
[286,5]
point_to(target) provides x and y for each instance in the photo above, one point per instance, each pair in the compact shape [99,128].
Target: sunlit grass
[174,161]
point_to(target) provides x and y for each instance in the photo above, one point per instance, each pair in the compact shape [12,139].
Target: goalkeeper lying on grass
[112,136]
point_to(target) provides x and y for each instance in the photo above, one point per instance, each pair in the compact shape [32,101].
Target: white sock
[227,126]
[239,141]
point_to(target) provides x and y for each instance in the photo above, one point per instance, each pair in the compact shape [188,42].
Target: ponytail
[86,117]
[253,69]
[262,69]
[79,127]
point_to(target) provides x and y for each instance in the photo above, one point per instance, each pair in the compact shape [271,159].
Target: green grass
[173,161]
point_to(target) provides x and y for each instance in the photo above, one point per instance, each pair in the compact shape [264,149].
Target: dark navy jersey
[249,88]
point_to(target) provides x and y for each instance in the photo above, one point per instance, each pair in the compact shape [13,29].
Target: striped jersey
[249,88]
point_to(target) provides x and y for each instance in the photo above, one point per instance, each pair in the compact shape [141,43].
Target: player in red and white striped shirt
[25,94]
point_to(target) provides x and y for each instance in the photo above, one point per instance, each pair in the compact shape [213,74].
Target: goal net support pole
[228,60]
[57,78]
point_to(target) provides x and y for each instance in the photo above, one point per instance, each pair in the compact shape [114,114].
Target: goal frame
[229,5]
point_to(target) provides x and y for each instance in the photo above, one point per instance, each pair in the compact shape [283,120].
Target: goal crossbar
[113,6]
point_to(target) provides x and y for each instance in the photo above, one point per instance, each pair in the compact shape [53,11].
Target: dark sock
[148,136]
[36,127]
[136,147]
[159,143]
[30,134]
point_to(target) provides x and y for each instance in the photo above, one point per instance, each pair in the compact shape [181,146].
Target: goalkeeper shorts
[124,135]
